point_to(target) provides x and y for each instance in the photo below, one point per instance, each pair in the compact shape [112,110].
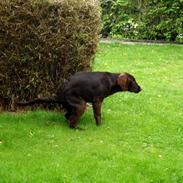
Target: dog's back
[88,85]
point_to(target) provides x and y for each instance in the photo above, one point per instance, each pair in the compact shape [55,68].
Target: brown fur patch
[122,81]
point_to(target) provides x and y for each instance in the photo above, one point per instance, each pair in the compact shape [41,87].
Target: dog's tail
[48,100]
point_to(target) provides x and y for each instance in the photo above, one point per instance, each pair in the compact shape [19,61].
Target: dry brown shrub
[42,43]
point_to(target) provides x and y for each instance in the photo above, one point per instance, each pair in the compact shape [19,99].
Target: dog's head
[128,83]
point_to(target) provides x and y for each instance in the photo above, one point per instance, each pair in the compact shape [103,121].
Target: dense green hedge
[142,19]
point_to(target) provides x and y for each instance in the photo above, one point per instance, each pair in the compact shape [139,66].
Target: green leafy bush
[141,19]
[162,20]
[118,18]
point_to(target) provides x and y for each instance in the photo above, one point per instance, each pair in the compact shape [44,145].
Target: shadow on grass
[47,119]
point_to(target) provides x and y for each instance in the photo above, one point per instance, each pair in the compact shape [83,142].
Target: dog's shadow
[41,118]
[51,118]
[55,119]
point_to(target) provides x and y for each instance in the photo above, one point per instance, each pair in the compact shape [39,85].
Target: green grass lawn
[140,140]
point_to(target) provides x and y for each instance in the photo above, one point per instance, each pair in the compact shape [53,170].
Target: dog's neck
[114,87]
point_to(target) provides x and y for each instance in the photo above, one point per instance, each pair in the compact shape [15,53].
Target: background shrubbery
[42,43]
[142,19]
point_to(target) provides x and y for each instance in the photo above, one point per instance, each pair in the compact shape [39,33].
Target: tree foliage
[142,19]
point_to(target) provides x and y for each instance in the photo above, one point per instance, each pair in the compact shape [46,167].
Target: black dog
[90,87]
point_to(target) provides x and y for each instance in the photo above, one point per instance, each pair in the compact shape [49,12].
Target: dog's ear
[122,81]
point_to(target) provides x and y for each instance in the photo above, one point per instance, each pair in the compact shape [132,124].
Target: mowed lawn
[140,139]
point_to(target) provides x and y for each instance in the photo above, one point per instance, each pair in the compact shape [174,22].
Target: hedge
[42,43]
[142,19]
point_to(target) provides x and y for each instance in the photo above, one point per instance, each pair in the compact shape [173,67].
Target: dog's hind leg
[69,112]
[77,112]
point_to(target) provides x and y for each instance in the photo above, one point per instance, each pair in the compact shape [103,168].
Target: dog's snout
[139,89]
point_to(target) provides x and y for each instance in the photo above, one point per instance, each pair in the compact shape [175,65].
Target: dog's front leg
[97,111]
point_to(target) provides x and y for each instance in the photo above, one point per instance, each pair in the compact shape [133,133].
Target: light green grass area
[139,141]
